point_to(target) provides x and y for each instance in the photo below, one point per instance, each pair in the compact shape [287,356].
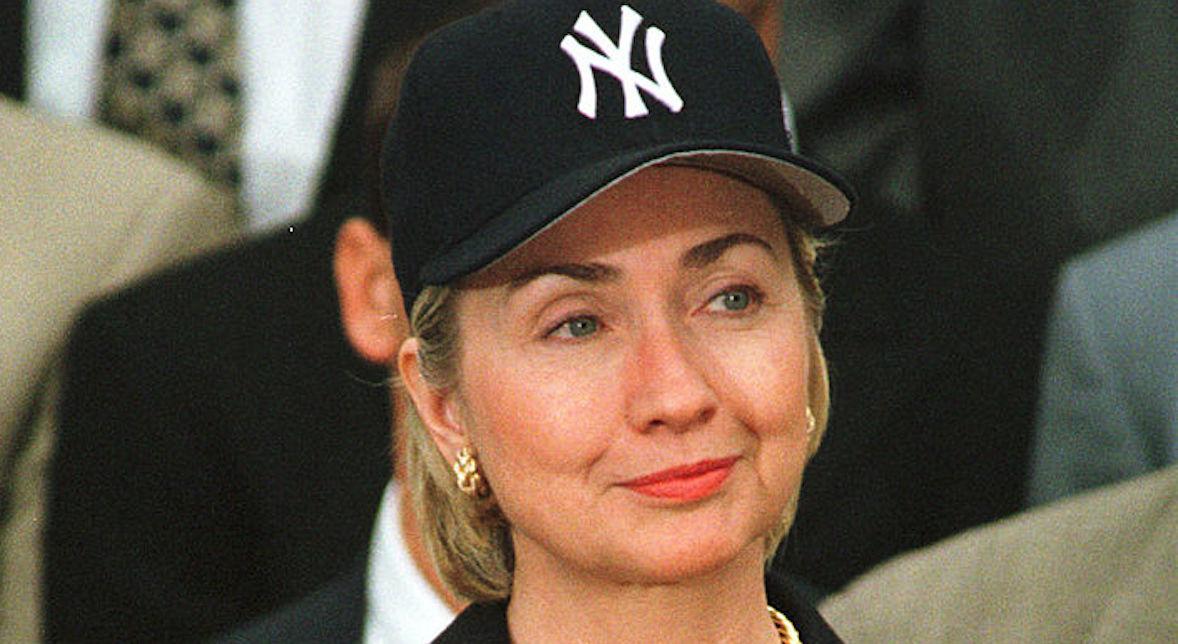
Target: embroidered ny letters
[614,59]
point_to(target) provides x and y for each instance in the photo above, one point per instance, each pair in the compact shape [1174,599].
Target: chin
[713,537]
[676,559]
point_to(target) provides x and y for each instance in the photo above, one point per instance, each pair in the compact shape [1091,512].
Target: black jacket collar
[487,623]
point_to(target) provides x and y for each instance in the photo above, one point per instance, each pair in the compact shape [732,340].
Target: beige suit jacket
[1101,567]
[82,211]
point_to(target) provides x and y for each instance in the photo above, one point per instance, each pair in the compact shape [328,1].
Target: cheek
[530,426]
[766,380]
[765,377]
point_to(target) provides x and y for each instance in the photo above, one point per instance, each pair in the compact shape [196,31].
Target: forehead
[660,204]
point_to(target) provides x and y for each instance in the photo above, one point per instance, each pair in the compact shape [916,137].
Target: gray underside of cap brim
[814,198]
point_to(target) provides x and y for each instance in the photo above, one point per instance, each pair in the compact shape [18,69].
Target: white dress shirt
[402,606]
[296,59]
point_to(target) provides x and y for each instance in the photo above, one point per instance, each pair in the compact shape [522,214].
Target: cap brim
[815,194]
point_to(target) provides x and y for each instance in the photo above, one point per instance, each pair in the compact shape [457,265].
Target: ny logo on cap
[614,59]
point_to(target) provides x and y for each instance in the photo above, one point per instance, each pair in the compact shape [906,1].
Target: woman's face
[634,379]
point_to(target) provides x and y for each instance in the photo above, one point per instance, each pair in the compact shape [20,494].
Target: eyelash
[755,295]
[566,322]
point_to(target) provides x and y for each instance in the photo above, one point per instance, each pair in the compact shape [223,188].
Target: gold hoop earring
[811,422]
[467,475]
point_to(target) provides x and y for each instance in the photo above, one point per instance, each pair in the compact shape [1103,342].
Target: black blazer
[487,623]
[221,451]
[336,614]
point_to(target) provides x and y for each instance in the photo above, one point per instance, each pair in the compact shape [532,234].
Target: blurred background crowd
[188,442]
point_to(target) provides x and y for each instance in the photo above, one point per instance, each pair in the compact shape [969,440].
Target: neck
[726,605]
[410,533]
[417,552]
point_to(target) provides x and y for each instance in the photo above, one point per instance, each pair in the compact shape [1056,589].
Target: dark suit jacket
[988,141]
[221,451]
[487,623]
[336,614]
[333,613]
[12,49]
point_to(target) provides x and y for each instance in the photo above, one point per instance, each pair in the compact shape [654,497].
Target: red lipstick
[685,482]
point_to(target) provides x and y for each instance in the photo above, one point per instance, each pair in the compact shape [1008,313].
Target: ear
[371,310]
[438,408]
[766,17]
[819,393]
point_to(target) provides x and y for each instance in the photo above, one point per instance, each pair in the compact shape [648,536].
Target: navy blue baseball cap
[513,117]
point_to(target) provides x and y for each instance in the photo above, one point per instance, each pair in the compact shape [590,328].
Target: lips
[686,482]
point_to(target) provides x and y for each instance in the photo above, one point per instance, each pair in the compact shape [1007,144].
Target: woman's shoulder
[792,601]
[487,623]
[484,623]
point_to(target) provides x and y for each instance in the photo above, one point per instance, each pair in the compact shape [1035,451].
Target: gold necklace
[785,628]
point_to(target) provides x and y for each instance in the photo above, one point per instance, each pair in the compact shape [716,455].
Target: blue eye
[733,300]
[578,327]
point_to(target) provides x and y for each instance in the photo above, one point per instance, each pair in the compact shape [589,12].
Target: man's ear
[438,408]
[766,17]
[371,310]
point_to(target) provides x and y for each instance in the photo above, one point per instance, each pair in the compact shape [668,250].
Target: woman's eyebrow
[591,272]
[708,252]
[696,257]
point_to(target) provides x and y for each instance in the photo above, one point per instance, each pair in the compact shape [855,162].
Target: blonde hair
[469,539]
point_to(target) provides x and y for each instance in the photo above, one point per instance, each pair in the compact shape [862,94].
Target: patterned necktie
[170,76]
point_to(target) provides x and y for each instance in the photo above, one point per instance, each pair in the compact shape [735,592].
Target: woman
[604,237]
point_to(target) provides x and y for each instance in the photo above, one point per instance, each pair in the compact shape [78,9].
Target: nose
[667,383]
